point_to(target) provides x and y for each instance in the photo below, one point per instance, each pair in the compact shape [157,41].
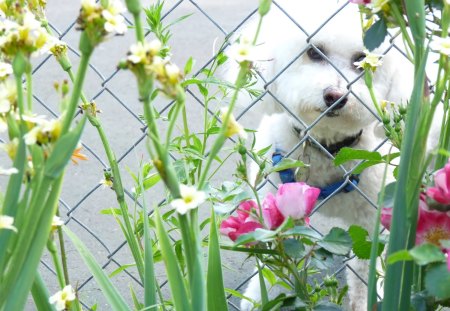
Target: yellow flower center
[188,199]
[436,234]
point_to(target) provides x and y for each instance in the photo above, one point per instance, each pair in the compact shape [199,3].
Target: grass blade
[40,294]
[176,280]
[111,294]
[216,299]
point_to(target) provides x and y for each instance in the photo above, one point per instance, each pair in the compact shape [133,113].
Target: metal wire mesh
[115,93]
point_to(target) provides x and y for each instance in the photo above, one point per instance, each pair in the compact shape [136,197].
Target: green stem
[404,29]
[221,137]
[51,246]
[73,103]
[29,87]
[63,256]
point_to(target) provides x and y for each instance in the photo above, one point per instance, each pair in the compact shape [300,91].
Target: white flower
[31,137]
[116,7]
[370,62]
[138,53]
[233,126]
[8,171]
[154,47]
[114,23]
[441,45]
[106,183]
[30,22]
[88,4]
[61,298]
[242,51]
[5,69]
[173,73]
[190,199]
[6,222]
[8,95]
[57,222]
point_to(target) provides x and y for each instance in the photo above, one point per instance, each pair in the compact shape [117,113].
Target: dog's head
[309,60]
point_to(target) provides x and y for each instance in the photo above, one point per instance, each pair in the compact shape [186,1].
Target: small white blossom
[30,138]
[370,62]
[5,69]
[61,298]
[138,53]
[6,222]
[233,126]
[242,51]
[190,198]
[114,22]
[8,95]
[106,183]
[441,45]
[116,7]
[57,222]
[173,73]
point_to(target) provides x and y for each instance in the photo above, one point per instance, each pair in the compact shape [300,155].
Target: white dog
[307,60]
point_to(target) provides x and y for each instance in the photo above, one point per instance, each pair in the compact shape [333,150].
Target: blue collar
[288,176]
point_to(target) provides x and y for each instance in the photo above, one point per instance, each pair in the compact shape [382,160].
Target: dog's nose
[332,95]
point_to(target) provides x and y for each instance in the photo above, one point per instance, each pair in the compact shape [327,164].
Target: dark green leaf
[427,253]
[338,241]
[294,248]
[437,281]
[286,164]
[303,231]
[375,35]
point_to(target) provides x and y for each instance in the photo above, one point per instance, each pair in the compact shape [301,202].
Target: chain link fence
[115,93]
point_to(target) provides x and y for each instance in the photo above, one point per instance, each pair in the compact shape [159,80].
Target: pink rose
[234,226]
[296,200]
[386,217]
[271,215]
[441,190]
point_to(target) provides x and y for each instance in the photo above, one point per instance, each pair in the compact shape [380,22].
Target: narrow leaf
[216,299]
[114,298]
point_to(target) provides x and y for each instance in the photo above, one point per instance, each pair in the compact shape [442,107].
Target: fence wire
[83,197]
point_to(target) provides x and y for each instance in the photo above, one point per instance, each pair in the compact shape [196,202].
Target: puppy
[318,103]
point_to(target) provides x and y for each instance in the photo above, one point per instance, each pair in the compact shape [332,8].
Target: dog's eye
[358,57]
[314,54]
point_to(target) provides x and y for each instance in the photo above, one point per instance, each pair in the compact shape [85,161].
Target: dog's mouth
[330,114]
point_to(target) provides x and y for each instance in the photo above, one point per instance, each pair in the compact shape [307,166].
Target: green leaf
[302,231]
[337,241]
[216,299]
[174,276]
[62,152]
[151,180]
[286,164]
[294,248]
[261,235]
[361,242]
[348,154]
[111,211]
[375,35]
[188,67]
[40,295]
[437,280]
[426,253]
[121,268]
[114,298]
[402,255]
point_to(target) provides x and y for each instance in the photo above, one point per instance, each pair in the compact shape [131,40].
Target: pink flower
[296,200]
[386,217]
[360,1]
[441,190]
[432,226]
[271,215]
[234,226]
